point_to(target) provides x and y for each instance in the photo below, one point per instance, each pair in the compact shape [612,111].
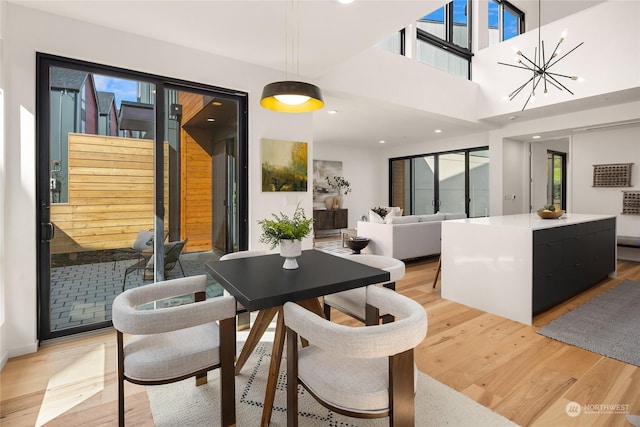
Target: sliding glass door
[442,182]
[134,173]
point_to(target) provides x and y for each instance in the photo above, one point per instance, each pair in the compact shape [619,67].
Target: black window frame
[448,45]
[510,7]
[467,152]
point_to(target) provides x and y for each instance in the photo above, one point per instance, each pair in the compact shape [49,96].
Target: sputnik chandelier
[539,68]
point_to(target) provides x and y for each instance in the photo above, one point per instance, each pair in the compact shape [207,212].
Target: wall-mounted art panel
[612,175]
[284,165]
[631,202]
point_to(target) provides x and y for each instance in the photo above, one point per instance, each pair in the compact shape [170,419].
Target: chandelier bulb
[574,77]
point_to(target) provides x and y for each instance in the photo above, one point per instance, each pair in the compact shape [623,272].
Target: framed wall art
[284,165]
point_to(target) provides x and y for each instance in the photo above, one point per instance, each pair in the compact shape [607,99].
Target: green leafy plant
[549,208]
[283,227]
[338,183]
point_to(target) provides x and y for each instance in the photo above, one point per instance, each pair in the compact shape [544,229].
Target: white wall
[614,145]
[3,344]
[26,32]
[609,30]
[367,182]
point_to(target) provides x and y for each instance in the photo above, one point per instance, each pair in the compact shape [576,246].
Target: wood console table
[327,221]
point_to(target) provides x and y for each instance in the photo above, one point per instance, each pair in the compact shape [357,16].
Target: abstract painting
[284,165]
[321,190]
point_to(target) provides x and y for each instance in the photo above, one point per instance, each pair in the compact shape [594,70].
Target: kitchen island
[516,266]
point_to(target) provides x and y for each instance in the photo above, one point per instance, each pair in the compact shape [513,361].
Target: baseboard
[3,360]
[629,253]
[27,349]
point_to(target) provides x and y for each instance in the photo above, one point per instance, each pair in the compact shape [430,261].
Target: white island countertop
[532,221]
[488,263]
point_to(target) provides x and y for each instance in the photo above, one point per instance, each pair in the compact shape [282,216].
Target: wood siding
[196,179]
[111,194]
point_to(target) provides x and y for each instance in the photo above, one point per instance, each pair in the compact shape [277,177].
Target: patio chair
[358,372]
[142,247]
[172,252]
[143,242]
[175,343]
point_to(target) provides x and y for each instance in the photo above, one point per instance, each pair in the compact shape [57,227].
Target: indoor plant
[287,232]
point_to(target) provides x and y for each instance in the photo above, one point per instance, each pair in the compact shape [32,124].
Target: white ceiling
[254,31]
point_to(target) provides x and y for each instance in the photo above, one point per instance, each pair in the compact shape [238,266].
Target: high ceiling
[254,31]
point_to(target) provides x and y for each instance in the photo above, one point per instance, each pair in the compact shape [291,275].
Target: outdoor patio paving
[83,294]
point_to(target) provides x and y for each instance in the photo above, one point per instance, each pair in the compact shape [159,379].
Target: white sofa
[405,237]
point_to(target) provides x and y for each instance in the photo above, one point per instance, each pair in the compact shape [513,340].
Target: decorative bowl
[544,214]
[356,244]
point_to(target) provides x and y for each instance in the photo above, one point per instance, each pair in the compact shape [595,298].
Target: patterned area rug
[607,324]
[332,247]
[183,404]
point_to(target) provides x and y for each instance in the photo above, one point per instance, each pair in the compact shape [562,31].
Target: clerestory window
[505,21]
[443,38]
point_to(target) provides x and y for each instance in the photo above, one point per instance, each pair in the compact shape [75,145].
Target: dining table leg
[274,368]
[262,322]
[312,305]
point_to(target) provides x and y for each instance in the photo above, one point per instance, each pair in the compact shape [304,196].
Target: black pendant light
[291,96]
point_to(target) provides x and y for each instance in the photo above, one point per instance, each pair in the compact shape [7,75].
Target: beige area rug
[183,404]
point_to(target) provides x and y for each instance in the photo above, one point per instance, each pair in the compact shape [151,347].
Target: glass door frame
[44,228]
[436,170]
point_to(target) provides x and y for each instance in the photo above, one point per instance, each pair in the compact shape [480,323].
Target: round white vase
[289,250]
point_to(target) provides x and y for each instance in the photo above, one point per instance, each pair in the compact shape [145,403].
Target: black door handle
[47,232]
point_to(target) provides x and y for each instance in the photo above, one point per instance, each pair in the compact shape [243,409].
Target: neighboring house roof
[105,102]
[62,78]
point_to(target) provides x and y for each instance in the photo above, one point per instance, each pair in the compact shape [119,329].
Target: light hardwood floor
[501,364]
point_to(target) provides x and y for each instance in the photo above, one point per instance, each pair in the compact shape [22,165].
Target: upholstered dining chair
[177,342]
[363,372]
[244,317]
[352,302]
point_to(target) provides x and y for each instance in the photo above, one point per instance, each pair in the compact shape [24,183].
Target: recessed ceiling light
[332,111]
[345,1]
[536,137]
[211,119]
[438,131]
[382,141]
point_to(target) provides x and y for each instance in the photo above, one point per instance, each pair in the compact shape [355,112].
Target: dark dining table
[261,284]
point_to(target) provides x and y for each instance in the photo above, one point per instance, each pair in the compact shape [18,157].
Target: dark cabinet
[326,221]
[568,260]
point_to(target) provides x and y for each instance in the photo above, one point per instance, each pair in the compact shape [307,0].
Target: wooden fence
[111,193]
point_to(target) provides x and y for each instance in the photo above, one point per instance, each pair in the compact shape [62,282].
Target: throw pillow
[394,210]
[375,218]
